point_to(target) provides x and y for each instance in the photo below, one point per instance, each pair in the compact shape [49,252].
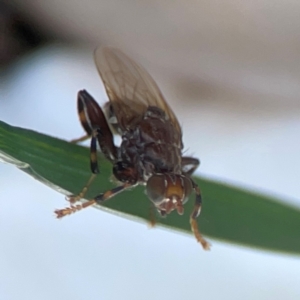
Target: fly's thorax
[153,146]
[156,127]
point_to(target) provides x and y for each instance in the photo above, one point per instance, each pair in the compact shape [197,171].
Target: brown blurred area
[237,54]
[18,34]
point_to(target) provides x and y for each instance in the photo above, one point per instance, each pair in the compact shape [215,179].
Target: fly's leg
[189,164]
[94,122]
[96,200]
[193,218]
[83,116]
[81,139]
[74,199]
[92,117]
[93,165]
[152,219]
[123,171]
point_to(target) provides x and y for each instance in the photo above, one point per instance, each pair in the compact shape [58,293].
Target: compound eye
[156,188]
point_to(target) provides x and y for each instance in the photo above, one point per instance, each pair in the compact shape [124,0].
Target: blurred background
[230,70]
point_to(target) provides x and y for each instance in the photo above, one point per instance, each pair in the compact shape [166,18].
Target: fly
[150,153]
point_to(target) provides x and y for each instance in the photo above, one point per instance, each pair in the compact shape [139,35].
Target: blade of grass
[228,214]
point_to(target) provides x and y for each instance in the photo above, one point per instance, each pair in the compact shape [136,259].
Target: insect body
[151,149]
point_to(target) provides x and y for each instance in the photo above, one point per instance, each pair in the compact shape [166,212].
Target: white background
[231,73]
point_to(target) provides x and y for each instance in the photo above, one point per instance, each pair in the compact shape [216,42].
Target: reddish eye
[156,188]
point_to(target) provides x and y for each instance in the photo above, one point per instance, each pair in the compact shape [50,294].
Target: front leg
[123,171]
[193,218]
[92,118]
[94,123]
[96,200]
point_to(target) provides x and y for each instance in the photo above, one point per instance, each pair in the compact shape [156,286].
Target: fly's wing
[130,88]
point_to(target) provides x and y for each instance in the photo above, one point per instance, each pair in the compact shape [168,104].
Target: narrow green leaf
[228,213]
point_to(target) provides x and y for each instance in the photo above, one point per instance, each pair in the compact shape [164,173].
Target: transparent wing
[129,87]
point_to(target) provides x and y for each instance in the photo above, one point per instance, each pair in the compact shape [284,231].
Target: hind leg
[94,122]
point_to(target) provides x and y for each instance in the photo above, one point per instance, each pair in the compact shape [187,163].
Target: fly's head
[169,192]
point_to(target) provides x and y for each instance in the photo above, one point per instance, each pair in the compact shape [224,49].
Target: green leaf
[229,214]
